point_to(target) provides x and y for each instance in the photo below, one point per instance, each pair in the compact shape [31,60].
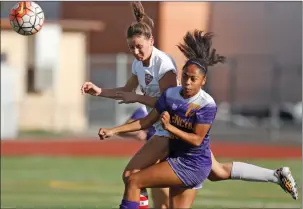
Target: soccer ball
[26,18]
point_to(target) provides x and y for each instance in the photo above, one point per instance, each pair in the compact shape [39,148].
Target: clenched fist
[90,88]
[105,133]
[165,120]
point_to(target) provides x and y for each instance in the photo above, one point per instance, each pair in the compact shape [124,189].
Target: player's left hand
[105,133]
[165,120]
[126,97]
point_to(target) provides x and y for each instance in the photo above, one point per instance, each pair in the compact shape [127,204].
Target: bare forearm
[130,127]
[147,100]
[129,134]
[111,93]
[190,138]
[140,135]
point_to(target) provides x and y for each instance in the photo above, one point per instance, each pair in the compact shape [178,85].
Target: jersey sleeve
[207,114]
[161,103]
[139,113]
[133,68]
[166,66]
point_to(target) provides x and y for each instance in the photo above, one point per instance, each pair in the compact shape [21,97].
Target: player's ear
[203,81]
[152,41]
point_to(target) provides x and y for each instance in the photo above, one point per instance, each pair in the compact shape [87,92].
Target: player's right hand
[165,120]
[105,133]
[90,88]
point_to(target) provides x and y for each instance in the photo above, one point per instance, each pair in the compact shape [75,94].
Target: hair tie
[196,63]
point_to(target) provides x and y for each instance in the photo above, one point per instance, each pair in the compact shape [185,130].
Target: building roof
[67,25]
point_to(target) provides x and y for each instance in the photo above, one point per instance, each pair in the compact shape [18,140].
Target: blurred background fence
[257,97]
[110,70]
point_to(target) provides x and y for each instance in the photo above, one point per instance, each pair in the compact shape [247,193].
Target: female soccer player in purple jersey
[156,148]
[187,112]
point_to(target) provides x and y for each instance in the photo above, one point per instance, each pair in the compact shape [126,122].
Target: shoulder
[172,91]
[135,64]
[163,60]
[208,109]
[206,100]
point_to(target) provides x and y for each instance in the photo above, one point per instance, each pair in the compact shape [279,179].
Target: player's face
[192,80]
[140,47]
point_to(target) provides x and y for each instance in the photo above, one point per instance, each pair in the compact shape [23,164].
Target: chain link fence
[108,71]
[256,96]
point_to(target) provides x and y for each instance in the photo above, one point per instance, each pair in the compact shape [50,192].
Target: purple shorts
[190,172]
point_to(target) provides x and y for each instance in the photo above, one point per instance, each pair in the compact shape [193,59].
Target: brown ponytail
[143,25]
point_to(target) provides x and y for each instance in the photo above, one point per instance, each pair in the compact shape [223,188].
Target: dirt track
[114,148]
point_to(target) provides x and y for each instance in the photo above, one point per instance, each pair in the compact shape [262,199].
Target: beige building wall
[176,18]
[15,47]
[58,110]
[73,68]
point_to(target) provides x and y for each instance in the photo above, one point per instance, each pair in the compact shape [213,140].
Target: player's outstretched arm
[131,85]
[195,138]
[94,90]
[139,135]
[136,125]
[132,97]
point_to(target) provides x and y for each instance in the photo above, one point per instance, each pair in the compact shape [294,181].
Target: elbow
[197,142]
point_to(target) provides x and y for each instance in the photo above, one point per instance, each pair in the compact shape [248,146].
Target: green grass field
[45,182]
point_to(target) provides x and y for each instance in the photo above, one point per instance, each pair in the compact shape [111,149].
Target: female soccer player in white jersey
[155,71]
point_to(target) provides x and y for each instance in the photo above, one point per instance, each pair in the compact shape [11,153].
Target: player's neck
[182,94]
[146,62]
[186,96]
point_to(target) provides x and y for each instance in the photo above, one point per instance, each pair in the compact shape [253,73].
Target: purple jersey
[141,112]
[185,113]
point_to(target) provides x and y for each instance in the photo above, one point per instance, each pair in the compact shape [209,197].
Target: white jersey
[149,77]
